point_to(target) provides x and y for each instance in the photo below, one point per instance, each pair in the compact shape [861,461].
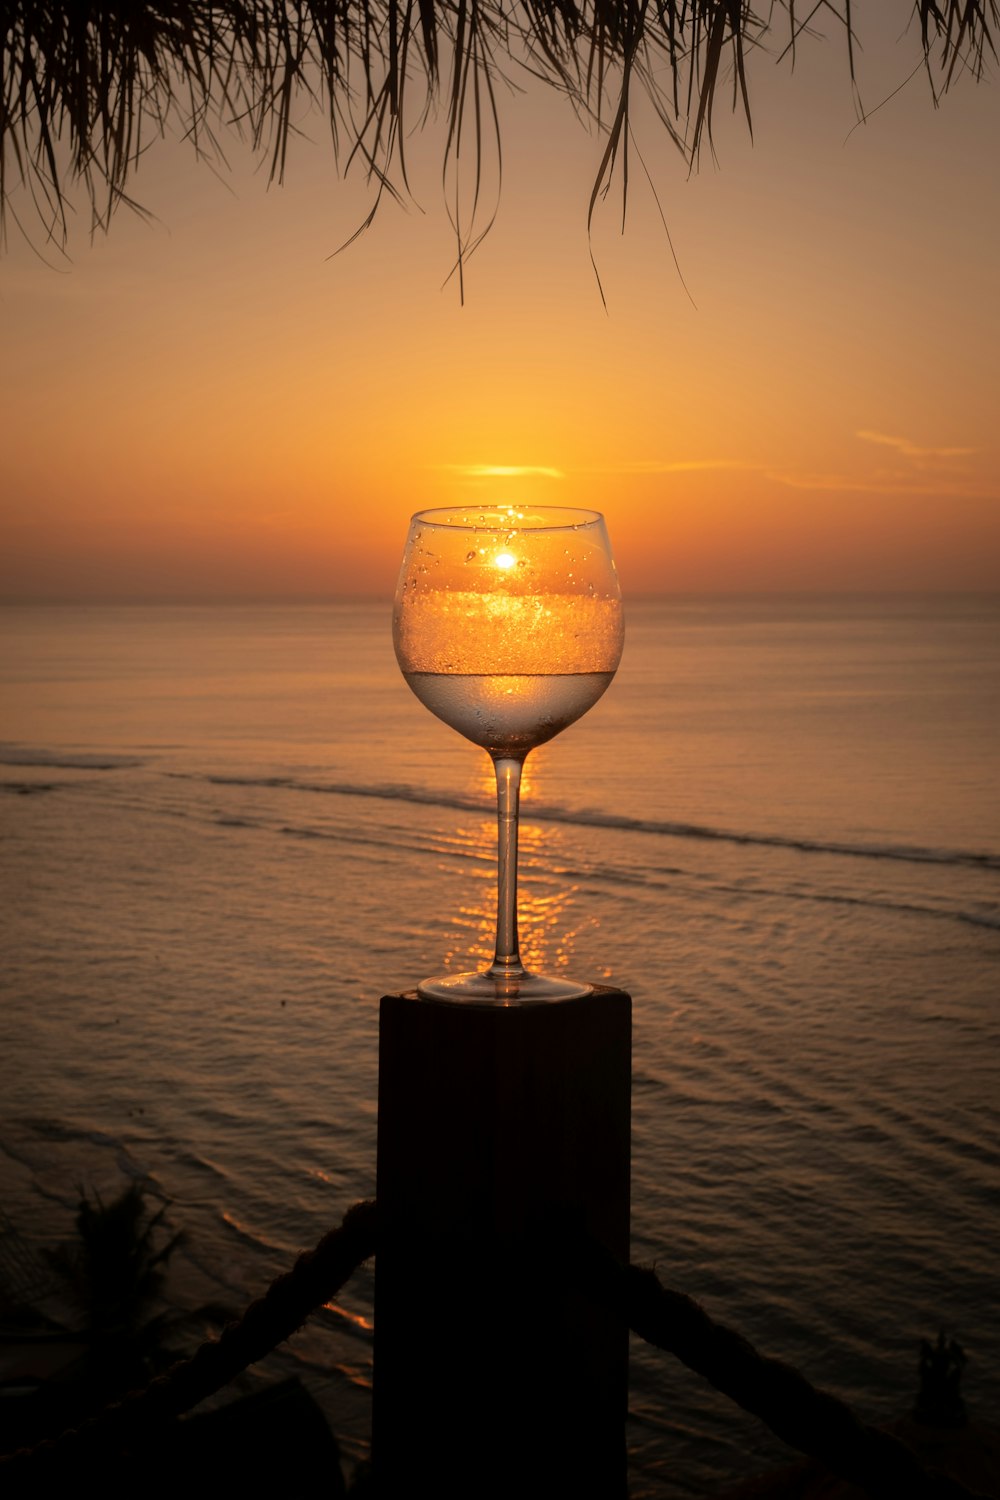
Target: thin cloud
[907,449]
[684,465]
[881,484]
[672,466]
[503,471]
[918,470]
[627,466]
[938,478]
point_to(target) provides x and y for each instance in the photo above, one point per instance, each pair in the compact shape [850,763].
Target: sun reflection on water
[548,919]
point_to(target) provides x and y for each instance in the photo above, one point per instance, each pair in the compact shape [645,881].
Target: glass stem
[507,963]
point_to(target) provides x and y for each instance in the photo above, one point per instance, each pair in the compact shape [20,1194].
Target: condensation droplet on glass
[471,556]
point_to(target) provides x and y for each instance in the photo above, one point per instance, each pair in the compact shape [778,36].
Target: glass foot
[484,989]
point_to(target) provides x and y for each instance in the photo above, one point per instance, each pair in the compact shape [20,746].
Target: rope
[810,1420]
[316,1276]
[805,1418]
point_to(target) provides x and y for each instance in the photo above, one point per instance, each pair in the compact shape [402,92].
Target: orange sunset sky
[209,407]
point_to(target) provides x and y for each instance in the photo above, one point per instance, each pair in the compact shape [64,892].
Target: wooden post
[502,1131]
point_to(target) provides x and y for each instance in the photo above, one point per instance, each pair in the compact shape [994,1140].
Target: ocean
[227,831]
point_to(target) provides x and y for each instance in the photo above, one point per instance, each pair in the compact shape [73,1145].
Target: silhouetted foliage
[117,1266]
[85,88]
[939,1401]
[115,1271]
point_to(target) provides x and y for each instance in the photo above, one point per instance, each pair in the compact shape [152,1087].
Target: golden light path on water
[549,921]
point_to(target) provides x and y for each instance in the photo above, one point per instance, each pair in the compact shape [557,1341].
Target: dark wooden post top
[503,1133]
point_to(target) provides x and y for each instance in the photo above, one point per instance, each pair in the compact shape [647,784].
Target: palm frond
[84,88]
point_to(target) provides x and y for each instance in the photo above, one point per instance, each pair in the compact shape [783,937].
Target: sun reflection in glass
[482,784]
[504,560]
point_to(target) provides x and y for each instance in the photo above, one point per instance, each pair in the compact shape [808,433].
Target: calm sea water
[226,832]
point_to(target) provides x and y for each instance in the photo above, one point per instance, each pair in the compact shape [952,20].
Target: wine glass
[508,626]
